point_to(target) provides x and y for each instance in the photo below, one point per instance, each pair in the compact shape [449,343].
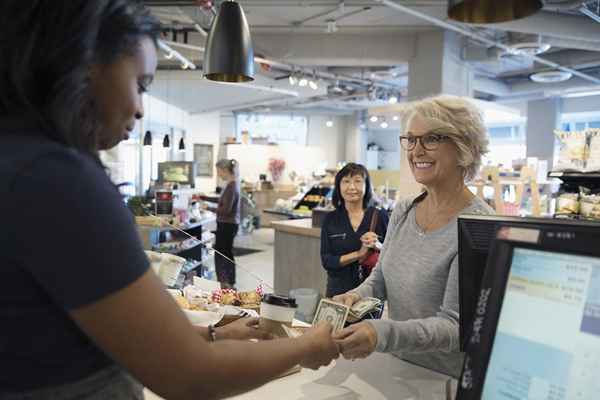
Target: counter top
[378,377]
[301,227]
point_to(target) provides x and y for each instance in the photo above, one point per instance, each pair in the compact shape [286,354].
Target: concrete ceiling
[371,42]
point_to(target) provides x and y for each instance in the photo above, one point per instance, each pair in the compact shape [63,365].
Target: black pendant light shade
[229,56]
[148,138]
[491,11]
[181,144]
[166,141]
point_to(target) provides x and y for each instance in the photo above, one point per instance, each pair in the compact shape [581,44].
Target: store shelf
[574,175]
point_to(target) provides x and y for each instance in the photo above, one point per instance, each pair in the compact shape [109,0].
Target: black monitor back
[475,236]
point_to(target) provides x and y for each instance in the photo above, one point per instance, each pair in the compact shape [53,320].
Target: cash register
[536,327]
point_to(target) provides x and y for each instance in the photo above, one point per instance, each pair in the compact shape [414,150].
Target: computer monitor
[475,235]
[182,172]
[536,333]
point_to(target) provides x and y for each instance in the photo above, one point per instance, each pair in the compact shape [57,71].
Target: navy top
[339,238]
[67,240]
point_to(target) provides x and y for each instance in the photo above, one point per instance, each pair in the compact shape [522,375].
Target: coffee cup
[276,311]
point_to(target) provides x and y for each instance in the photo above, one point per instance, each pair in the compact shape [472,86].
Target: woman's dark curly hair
[46,50]
[351,169]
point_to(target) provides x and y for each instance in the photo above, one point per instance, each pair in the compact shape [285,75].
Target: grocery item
[573,151]
[590,206]
[567,203]
[593,159]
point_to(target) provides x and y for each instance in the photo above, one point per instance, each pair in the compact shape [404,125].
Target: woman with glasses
[345,235]
[417,272]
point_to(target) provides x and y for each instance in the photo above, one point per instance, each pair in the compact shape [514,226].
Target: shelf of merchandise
[572,180]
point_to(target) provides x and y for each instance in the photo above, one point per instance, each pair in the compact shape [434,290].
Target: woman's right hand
[348,298]
[321,347]
[362,252]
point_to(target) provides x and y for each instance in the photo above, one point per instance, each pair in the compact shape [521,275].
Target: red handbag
[370,260]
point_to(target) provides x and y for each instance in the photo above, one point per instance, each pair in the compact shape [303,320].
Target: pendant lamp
[166,142]
[229,56]
[181,144]
[491,11]
[148,138]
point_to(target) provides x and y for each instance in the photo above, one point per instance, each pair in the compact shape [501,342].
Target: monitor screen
[547,340]
[182,172]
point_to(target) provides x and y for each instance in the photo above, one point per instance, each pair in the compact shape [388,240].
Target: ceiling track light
[303,82]
[393,99]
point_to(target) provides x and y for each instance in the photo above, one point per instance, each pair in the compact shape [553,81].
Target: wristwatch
[212,333]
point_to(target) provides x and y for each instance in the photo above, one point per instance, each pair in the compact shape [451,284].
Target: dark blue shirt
[339,238]
[66,240]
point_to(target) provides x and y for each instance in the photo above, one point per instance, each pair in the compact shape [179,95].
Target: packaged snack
[593,160]
[573,151]
[590,206]
[567,203]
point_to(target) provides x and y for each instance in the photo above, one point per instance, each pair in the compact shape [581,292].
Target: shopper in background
[346,238]
[81,313]
[417,271]
[228,221]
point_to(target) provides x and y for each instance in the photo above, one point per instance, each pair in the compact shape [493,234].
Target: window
[507,143]
[280,129]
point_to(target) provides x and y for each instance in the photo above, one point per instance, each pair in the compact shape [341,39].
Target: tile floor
[258,267]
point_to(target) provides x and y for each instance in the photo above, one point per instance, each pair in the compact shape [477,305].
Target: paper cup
[276,311]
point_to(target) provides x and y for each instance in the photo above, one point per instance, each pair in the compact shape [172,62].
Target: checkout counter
[378,377]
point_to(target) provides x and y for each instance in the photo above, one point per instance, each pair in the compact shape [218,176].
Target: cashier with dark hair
[345,236]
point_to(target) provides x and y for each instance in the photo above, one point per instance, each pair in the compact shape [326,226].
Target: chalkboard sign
[203,156]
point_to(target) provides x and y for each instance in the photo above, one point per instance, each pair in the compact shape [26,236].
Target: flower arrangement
[276,167]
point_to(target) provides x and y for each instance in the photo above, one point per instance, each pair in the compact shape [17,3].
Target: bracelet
[212,333]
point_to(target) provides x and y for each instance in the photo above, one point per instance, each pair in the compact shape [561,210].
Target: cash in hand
[362,308]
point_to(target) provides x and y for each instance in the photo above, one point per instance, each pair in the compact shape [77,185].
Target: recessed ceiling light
[396,118]
[393,99]
[329,123]
[551,76]
[384,125]
[373,118]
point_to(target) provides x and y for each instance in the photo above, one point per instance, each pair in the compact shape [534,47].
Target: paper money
[332,312]
[362,308]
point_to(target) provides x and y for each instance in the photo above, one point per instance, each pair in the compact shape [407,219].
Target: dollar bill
[332,312]
[363,307]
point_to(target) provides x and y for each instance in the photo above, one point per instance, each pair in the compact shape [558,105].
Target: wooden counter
[302,227]
[297,257]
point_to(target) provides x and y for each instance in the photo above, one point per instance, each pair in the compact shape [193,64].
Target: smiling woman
[417,270]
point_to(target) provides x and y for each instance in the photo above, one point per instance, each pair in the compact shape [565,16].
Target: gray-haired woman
[417,271]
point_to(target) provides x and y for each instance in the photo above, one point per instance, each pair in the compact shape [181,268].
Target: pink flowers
[276,167]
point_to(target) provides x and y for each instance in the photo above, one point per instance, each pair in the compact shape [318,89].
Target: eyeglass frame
[419,139]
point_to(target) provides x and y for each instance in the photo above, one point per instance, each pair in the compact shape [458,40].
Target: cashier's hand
[348,298]
[369,239]
[321,349]
[357,340]
[242,329]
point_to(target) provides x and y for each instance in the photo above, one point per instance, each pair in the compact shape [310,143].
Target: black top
[67,240]
[339,238]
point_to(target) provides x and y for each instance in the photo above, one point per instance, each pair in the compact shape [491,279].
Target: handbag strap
[374,219]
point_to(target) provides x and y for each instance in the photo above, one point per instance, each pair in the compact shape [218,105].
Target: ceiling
[366,54]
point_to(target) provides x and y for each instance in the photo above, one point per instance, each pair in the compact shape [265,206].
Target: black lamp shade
[491,11]
[181,144]
[148,138]
[229,56]
[166,141]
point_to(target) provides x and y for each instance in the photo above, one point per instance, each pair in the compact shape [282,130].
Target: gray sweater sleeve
[435,333]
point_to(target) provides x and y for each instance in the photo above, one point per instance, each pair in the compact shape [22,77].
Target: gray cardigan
[417,274]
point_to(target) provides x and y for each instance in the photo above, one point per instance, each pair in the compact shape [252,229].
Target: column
[543,117]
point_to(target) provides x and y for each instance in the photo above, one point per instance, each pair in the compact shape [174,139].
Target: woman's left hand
[242,329]
[356,341]
[369,239]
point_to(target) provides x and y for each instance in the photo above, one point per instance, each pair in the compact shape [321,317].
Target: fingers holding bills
[333,313]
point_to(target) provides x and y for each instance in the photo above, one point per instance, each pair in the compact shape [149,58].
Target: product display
[573,151]
[593,160]
[567,204]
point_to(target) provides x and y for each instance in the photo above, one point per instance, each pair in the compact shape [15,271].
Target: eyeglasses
[429,142]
